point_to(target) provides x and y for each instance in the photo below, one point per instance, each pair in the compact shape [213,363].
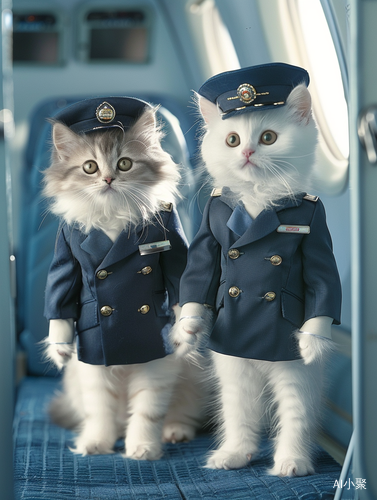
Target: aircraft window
[36,38]
[324,67]
[114,35]
[298,33]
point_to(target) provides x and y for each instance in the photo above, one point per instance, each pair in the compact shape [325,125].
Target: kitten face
[264,154]
[106,176]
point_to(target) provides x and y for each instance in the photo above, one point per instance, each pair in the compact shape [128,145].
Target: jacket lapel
[97,244]
[266,222]
[126,244]
[105,252]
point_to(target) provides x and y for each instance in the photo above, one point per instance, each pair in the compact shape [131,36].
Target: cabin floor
[45,468]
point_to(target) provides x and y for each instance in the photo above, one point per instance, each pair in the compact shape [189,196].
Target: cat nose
[248,152]
[108,180]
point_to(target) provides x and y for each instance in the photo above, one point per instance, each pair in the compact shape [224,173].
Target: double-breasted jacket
[263,277]
[119,298]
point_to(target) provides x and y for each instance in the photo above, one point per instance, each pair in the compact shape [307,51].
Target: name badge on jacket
[294,229]
[155,247]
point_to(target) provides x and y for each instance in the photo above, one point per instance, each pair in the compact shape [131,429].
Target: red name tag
[293,229]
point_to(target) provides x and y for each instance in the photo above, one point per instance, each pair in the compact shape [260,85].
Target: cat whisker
[142,205]
[195,199]
[130,141]
[282,173]
[294,157]
[44,214]
[291,178]
[140,190]
[195,358]
[274,169]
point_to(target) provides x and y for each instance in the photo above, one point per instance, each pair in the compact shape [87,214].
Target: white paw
[59,354]
[85,446]
[185,335]
[223,459]
[177,432]
[314,348]
[291,467]
[146,451]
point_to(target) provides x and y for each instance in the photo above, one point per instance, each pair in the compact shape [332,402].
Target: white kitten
[261,157]
[284,166]
[146,402]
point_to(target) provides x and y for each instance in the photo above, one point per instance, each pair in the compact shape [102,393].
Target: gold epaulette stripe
[166,206]
[216,192]
[311,197]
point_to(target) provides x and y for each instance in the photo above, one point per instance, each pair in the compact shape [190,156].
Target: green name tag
[155,247]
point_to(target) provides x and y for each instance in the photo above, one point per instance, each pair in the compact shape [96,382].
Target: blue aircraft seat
[44,466]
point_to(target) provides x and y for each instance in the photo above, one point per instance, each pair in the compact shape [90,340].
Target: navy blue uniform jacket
[272,285]
[138,290]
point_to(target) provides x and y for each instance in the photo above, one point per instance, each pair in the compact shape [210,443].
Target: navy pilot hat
[254,88]
[102,113]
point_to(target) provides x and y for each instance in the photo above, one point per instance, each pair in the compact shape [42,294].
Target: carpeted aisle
[46,469]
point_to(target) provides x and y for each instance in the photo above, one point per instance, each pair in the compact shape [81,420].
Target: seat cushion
[45,468]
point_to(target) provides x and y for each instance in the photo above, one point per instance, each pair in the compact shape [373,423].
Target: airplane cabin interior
[58,52]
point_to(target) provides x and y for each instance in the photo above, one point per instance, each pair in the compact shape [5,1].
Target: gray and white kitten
[135,192]
[271,154]
[106,403]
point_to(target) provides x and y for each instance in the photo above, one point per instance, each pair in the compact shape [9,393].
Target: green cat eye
[268,137]
[233,140]
[90,167]
[124,164]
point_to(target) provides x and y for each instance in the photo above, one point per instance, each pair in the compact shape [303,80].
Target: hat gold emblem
[105,113]
[246,93]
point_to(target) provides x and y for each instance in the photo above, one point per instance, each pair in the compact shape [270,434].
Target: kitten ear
[207,109]
[300,102]
[147,120]
[64,140]
[146,126]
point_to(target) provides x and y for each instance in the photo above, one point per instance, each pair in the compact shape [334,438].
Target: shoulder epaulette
[166,206]
[217,192]
[311,197]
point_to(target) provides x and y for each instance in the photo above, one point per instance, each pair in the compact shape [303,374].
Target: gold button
[144,309]
[234,291]
[106,311]
[276,260]
[270,296]
[234,253]
[146,270]
[102,274]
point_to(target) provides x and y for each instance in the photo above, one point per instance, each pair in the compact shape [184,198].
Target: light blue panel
[174,13]
[243,22]
[363,184]
[338,400]
[338,221]
[7,330]
[7,344]
[166,73]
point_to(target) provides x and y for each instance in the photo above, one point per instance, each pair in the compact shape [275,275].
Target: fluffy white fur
[144,403]
[248,390]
